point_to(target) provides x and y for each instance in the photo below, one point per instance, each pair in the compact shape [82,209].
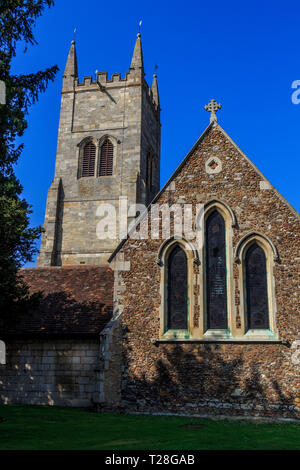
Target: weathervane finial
[74,32]
[213,107]
[139,33]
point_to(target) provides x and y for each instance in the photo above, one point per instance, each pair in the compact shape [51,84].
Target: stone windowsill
[221,336]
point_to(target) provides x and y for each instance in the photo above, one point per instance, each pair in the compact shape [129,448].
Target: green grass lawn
[50,428]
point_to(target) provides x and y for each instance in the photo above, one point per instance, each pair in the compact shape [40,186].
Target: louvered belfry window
[256,288]
[177,290]
[106,159]
[88,160]
[216,285]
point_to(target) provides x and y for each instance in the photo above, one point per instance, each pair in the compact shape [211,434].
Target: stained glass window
[256,288]
[216,285]
[177,290]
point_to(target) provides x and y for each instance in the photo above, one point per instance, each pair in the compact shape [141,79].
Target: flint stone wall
[241,378]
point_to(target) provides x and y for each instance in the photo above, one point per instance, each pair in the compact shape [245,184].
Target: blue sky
[243,54]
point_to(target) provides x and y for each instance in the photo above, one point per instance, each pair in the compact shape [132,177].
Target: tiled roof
[77,301]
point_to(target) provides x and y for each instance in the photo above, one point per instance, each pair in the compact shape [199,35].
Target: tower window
[150,168]
[88,160]
[106,159]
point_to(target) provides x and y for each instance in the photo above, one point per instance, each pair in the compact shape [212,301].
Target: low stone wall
[49,372]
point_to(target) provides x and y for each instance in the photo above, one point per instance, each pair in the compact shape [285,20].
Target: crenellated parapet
[104,83]
[134,77]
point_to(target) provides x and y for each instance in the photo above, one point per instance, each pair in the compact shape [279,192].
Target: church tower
[108,150]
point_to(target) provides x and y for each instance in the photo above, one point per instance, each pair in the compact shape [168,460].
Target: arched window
[88,160]
[106,159]
[216,282]
[177,290]
[256,288]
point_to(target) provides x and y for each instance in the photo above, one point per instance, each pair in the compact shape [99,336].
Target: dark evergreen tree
[17,238]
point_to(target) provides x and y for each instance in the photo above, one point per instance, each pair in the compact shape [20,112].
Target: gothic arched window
[256,288]
[216,279]
[88,160]
[177,289]
[106,159]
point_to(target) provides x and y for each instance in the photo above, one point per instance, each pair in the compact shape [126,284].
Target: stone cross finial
[213,107]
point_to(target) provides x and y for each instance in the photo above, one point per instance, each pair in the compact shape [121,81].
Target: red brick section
[256,379]
[76,301]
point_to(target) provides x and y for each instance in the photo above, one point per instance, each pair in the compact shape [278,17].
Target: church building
[188,304]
